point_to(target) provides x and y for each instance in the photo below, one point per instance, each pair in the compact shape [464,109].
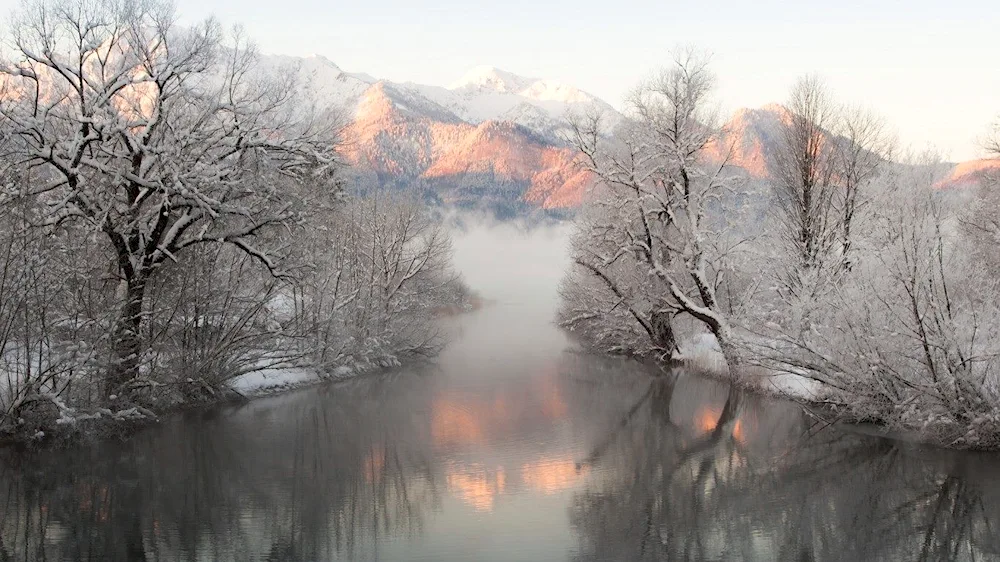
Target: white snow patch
[277,378]
[793,386]
[282,307]
[703,352]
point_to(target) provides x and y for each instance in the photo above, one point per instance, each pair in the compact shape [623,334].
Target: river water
[512,445]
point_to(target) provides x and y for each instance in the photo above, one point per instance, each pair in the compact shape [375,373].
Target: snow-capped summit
[492,79]
[487,93]
[489,79]
[319,78]
[322,59]
[550,90]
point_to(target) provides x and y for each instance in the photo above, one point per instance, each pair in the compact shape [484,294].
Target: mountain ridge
[497,138]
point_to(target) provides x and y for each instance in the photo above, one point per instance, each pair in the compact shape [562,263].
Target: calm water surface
[511,446]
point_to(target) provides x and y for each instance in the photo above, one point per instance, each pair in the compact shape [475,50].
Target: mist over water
[517,270]
[515,263]
[512,445]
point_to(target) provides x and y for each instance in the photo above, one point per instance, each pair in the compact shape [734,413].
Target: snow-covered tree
[804,188]
[909,335]
[379,271]
[161,138]
[651,236]
[863,147]
[825,163]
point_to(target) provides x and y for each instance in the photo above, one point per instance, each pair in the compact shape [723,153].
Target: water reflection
[415,465]
[752,479]
[476,485]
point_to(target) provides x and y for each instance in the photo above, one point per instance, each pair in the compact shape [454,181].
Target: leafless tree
[379,274]
[652,207]
[806,169]
[159,137]
[863,146]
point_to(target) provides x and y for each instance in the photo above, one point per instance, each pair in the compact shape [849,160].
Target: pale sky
[932,69]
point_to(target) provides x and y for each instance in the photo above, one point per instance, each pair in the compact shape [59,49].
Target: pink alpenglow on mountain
[495,134]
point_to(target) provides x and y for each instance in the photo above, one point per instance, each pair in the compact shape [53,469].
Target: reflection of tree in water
[758,482]
[290,484]
[676,468]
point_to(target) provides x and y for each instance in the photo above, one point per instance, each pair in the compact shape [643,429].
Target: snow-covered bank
[702,353]
[822,400]
[268,381]
[122,419]
[281,379]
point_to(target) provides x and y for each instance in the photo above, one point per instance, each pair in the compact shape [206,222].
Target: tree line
[847,267]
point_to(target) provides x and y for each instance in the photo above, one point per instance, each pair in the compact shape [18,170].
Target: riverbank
[46,420]
[120,419]
[703,355]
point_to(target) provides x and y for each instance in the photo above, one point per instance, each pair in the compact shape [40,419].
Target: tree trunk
[663,333]
[729,349]
[128,337]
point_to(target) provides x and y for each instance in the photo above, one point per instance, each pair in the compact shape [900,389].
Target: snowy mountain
[972,174]
[493,138]
[749,139]
[401,140]
[482,94]
[320,78]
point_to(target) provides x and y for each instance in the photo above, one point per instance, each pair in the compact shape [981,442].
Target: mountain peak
[491,78]
[776,108]
[493,137]
[323,60]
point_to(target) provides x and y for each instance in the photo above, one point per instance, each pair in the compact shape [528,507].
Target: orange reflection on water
[738,431]
[707,419]
[453,423]
[471,419]
[475,485]
[549,476]
[373,464]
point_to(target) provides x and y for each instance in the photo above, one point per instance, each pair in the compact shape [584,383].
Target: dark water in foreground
[511,446]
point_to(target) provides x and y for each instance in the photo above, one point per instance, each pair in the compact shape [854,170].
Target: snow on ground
[275,379]
[792,386]
[702,352]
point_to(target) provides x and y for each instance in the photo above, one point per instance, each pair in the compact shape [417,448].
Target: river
[512,445]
